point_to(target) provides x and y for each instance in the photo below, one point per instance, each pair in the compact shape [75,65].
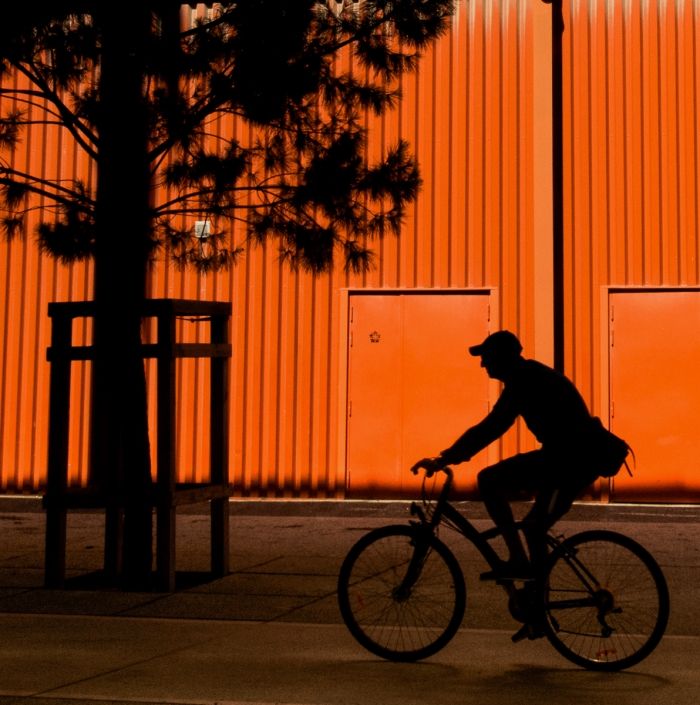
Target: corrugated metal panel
[24,374]
[468,113]
[28,281]
[632,161]
[471,116]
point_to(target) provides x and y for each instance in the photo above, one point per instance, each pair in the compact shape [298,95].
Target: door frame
[606,485]
[346,294]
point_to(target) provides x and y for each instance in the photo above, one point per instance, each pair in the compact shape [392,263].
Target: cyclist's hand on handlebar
[430,465]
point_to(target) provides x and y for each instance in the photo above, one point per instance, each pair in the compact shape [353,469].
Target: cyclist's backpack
[609,452]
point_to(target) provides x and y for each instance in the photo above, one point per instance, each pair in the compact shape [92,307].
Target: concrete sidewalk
[271,630]
[285,558]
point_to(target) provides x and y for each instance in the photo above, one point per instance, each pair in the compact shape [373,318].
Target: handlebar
[447,470]
[430,472]
[430,513]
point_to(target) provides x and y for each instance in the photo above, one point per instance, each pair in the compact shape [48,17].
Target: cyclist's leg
[501,483]
[551,503]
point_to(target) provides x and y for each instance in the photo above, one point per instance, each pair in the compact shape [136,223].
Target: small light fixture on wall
[202,229]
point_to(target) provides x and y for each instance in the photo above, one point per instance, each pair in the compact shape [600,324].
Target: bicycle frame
[444,510]
[480,540]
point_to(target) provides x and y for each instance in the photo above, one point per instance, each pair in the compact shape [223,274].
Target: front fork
[422,538]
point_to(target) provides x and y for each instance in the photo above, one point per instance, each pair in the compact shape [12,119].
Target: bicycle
[601,599]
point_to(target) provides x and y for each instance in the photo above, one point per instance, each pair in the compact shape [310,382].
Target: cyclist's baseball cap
[500,343]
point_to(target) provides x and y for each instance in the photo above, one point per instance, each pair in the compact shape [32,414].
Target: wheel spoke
[606,601]
[400,624]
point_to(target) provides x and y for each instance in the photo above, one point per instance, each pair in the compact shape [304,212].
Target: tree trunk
[120,455]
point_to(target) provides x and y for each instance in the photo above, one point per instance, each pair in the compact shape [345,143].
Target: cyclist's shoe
[509,570]
[528,631]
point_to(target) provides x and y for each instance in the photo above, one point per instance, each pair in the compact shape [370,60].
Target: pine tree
[137,92]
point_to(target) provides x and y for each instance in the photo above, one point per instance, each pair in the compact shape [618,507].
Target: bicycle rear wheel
[606,601]
[395,617]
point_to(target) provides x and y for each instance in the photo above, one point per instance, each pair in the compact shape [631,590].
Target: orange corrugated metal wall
[28,281]
[478,116]
[472,136]
[632,162]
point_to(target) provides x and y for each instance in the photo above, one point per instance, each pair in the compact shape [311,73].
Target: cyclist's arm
[476,438]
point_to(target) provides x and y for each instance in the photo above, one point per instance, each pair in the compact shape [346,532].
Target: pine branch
[84,137]
[47,188]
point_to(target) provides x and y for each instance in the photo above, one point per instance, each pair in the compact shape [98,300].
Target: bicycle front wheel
[400,604]
[606,601]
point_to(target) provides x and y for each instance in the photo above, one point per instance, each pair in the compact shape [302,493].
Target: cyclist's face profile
[496,366]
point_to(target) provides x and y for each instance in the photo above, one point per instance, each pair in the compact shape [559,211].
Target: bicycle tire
[416,625]
[622,619]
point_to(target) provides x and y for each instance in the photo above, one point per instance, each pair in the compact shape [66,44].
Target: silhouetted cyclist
[556,474]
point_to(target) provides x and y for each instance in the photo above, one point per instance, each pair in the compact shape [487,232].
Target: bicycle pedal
[522,634]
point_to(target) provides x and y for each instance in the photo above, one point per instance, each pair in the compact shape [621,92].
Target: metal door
[655,392]
[412,388]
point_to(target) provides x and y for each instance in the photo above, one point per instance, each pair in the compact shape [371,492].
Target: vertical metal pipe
[558,184]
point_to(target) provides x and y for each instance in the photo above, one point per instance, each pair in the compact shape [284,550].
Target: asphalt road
[60,660]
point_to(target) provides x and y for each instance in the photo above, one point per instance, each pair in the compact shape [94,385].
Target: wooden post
[57,473]
[165,481]
[218,448]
